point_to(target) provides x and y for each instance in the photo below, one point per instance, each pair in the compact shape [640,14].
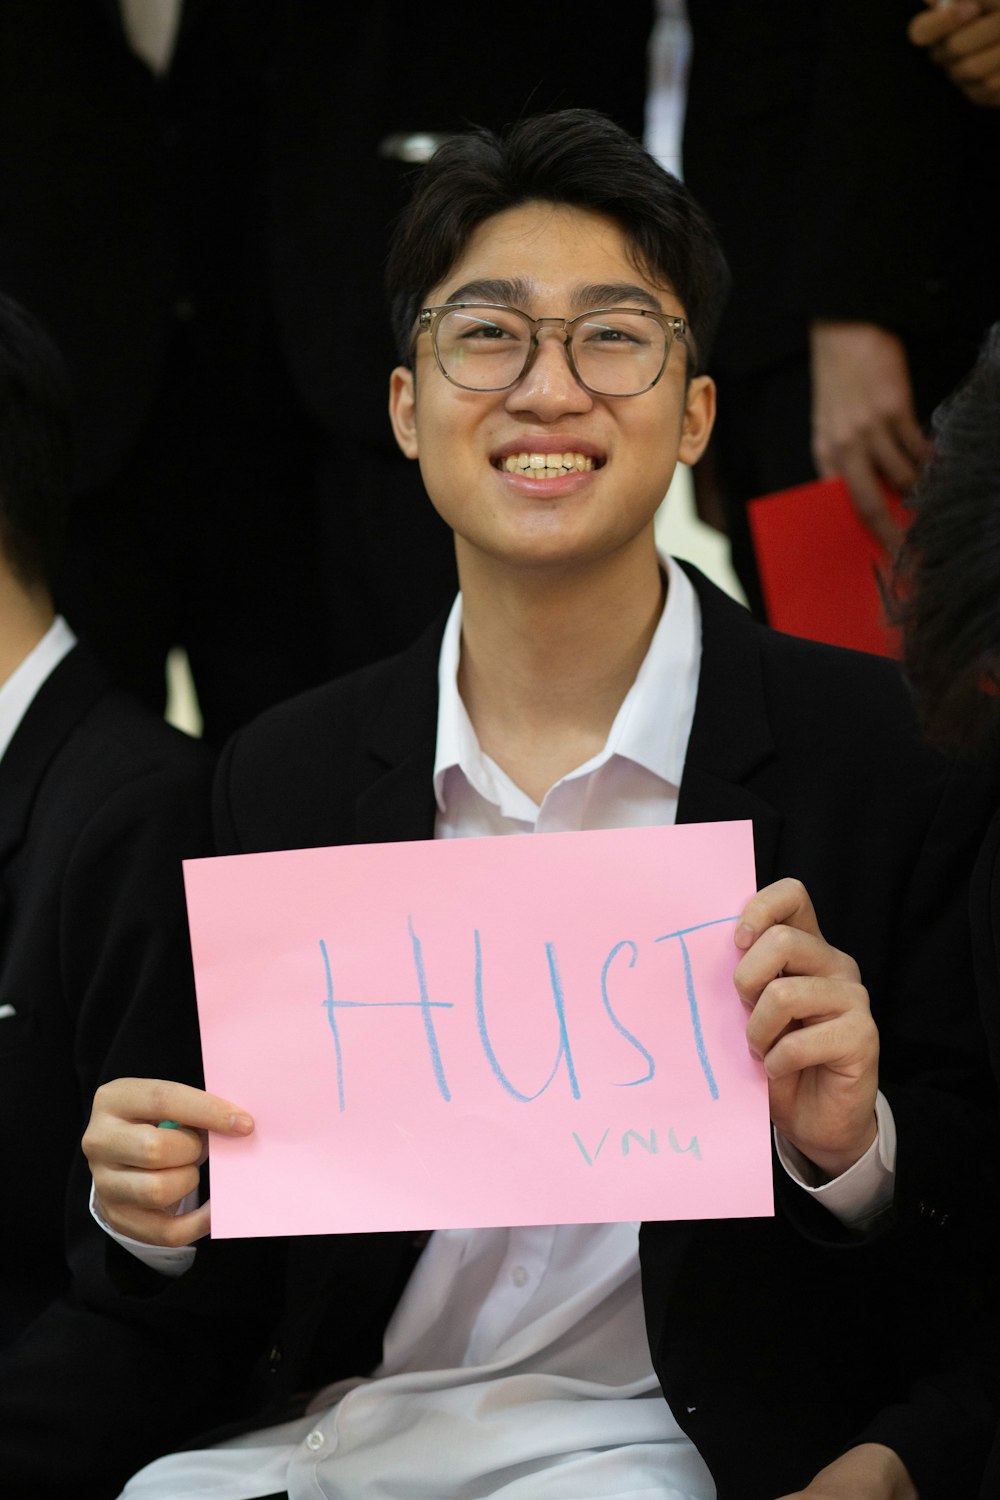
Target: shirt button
[519,1276]
[315,1441]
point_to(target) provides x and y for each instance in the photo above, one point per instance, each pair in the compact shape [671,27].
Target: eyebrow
[511,293]
[614,294]
[517,291]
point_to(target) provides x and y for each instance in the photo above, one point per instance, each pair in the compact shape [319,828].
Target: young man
[553,291]
[99,802]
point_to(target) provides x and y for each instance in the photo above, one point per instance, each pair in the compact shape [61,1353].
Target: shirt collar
[651,728]
[18,692]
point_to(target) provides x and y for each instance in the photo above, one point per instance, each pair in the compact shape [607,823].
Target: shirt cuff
[862,1194]
[166,1259]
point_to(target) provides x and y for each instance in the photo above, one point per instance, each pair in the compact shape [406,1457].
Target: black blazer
[99,802]
[778,1341]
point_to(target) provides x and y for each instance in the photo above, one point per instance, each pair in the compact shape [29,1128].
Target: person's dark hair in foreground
[947,580]
[35,445]
[947,597]
[588,162]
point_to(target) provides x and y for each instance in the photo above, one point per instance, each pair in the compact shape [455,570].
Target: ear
[403,409]
[699,418]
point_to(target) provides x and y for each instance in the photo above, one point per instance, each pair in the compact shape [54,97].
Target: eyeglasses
[612,351]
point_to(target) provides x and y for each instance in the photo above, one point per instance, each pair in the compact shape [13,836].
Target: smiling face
[546,473]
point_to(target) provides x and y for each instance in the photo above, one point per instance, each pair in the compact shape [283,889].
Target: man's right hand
[143,1170]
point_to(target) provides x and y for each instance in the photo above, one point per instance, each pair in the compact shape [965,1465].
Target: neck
[547,659]
[26,614]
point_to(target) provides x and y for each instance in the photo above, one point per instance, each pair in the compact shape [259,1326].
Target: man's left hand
[811,1026]
[867,1472]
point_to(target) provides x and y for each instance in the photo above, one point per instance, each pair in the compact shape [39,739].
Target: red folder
[818,563]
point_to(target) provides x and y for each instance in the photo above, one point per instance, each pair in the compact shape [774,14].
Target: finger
[191,1138]
[912,438]
[986,93]
[962,44]
[126,1188]
[113,1142]
[869,502]
[783,954]
[980,66]
[794,1002]
[847,1045]
[825,454]
[171,1231]
[784,902]
[891,457]
[928,27]
[154,1099]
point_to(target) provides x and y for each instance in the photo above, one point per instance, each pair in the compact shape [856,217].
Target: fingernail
[743,936]
[240,1124]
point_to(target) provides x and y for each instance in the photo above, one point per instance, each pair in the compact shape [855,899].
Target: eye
[612,335]
[484,330]
[616,330]
[481,325]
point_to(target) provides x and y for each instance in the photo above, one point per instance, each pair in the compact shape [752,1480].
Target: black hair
[574,157]
[35,446]
[946,584]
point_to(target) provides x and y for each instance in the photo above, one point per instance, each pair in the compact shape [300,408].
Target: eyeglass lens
[617,353]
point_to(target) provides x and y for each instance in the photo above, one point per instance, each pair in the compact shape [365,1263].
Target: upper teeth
[548,465]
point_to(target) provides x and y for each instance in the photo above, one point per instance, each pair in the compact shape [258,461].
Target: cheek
[648,470]
[447,476]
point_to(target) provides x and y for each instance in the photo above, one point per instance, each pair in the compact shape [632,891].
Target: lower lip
[523,483]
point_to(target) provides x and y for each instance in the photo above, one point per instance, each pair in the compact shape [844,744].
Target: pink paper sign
[473,1032]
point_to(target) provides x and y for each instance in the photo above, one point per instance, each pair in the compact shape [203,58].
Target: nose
[548,388]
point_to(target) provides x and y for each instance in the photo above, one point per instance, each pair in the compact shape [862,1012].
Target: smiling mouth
[547,465]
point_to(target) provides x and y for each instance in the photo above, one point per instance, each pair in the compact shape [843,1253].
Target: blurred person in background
[99,803]
[849,179]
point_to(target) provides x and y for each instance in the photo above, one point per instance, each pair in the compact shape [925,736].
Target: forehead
[551,258]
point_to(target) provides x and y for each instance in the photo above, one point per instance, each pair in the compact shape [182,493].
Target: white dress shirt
[18,692]
[516,1363]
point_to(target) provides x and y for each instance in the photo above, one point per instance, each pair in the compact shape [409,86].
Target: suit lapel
[58,706]
[62,700]
[731,734]
[398,804]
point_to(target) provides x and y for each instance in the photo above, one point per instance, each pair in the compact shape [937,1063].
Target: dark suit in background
[99,803]
[207,250]
[848,179]
[776,1341]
